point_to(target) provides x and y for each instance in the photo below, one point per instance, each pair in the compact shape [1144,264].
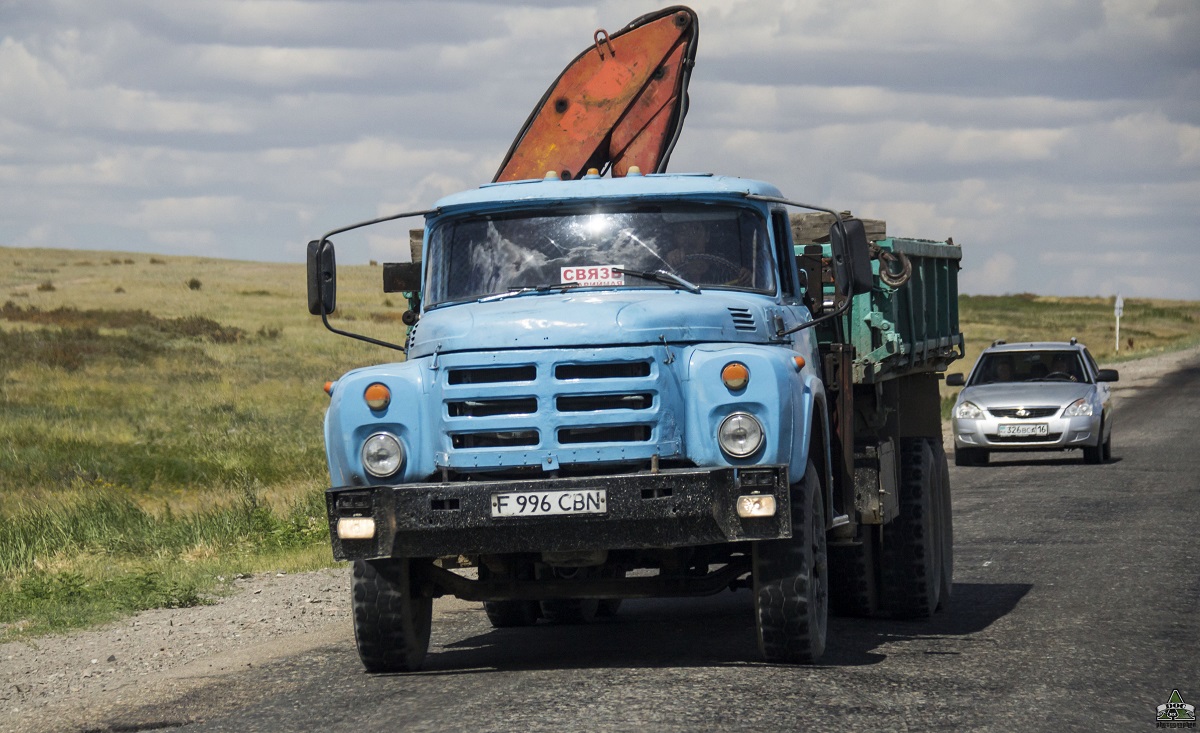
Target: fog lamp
[756,505]
[355,528]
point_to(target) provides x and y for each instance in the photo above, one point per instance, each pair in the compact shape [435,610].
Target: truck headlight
[1079,408]
[382,455]
[740,435]
[968,411]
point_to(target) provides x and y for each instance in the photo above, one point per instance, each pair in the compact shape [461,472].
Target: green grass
[156,437]
[161,418]
[1147,327]
[99,555]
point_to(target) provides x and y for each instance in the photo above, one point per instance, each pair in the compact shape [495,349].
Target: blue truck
[641,386]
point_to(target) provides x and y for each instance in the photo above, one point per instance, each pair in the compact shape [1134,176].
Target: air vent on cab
[743,319]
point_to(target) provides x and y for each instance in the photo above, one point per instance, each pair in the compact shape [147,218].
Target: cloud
[1059,142]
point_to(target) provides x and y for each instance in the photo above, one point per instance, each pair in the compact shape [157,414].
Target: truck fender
[820,442]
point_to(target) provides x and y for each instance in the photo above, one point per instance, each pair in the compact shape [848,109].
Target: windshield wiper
[661,276]
[560,287]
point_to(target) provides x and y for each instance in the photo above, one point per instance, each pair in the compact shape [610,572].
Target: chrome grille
[1022,413]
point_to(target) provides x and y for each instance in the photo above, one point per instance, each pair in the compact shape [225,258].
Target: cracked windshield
[647,247]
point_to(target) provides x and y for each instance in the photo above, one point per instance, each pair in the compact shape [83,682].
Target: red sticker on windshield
[598,275]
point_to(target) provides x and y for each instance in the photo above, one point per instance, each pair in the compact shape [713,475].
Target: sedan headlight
[740,435]
[967,411]
[1081,407]
[382,455]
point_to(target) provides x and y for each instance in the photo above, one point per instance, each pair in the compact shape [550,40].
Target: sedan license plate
[549,503]
[1033,429]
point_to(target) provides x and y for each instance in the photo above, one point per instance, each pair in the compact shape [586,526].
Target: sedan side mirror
[955,380]
[1108,375]
[322,278]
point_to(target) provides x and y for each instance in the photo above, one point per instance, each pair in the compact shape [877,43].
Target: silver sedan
[1033,397]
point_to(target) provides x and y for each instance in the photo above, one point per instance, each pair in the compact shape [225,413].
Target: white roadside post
[1120,306]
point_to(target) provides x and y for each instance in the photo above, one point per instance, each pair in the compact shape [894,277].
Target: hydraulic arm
[620,103]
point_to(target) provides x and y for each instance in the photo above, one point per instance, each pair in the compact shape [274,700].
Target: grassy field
[1147,327]
[161,427]
[161,418]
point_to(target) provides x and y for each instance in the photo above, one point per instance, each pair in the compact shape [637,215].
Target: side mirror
[851,257]
[1108,375]
[955,380]
[322,278]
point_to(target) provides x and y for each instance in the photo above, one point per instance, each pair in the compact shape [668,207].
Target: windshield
[706,246]
[1029,366]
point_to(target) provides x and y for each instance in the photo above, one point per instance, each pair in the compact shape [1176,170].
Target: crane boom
[619,103]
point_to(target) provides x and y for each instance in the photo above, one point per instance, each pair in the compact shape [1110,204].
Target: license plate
[549,503]
[1034,429]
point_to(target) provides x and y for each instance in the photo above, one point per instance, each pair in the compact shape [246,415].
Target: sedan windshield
[683,247]
[1029,366]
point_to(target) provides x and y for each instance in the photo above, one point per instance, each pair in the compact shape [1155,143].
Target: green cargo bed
[902,328]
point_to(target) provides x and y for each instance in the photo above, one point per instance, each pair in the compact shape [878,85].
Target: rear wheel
[791,582]
[392,620]
[945,525]
[608,607]
[853,588]
[568,610]
[912,542]
[510,614]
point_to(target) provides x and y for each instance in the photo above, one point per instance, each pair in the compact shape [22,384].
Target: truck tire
[510,614]
[853,585]
[909,565]
[791,582]
[608,607]
[568,610]
[945,526]
[391,621]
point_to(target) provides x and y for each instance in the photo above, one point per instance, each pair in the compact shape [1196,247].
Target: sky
[1057,141]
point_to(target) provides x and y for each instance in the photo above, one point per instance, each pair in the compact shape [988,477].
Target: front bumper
[670,508]
[1062,433]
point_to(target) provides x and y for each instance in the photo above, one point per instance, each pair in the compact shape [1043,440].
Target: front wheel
[1096,454]
[392,620]
[791,583]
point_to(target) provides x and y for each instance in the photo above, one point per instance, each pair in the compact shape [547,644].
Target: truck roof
[592,187]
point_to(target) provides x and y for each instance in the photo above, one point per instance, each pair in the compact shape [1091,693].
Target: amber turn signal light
[735,375]
[378,396]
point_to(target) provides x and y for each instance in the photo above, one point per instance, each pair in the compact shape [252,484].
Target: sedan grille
[1022,413]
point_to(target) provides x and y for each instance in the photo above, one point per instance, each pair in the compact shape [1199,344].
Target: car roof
[1035,346]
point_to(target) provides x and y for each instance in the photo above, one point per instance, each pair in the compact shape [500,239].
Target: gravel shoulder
[75,682]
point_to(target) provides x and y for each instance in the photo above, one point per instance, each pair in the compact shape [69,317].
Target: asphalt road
[1075,607]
